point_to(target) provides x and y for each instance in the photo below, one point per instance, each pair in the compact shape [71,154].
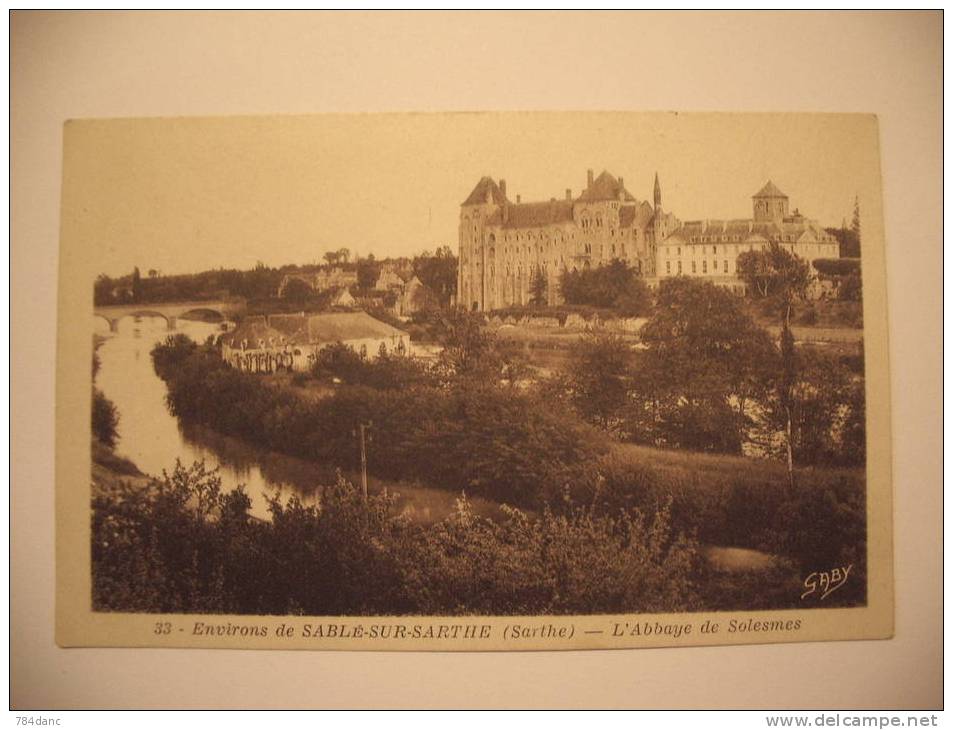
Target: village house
[403,292]
[392,277]
[343,298]
[415,296]
[267,344]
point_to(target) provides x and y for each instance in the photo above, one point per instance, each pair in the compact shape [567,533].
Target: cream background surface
[94,65]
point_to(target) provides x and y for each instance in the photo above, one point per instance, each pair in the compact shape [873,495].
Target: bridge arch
[204,310]
[110,322]
[169,321]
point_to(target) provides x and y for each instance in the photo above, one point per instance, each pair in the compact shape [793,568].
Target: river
[152,438]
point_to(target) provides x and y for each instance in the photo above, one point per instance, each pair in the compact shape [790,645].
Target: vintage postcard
[482,381]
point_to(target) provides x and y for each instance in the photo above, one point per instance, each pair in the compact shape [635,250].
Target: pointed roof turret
[770,190]
[658,192]
[486,191]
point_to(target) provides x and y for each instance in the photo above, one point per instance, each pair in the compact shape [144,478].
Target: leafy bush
[185,546]
[744,503]
[105,419]
[495,441]
[387,370]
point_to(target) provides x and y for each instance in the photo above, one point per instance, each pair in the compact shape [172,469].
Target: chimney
[589,178]
[503,187]
[621,190]
[569,195]
[518,198]
[506,211]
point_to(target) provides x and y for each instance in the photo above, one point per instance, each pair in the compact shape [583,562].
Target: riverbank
[110,471]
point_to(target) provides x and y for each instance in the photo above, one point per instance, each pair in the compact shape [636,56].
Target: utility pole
[362,427]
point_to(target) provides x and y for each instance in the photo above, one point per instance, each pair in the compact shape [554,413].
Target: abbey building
[710,248]
[505,245]
[508,248]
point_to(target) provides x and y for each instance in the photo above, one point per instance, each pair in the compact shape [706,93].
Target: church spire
[658,193]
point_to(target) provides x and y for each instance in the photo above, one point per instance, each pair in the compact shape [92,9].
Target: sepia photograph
[474,366]
[477,359]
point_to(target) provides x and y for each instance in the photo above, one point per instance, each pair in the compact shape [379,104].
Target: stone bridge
[169,311]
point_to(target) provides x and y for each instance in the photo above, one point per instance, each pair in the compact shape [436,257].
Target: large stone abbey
[505,246]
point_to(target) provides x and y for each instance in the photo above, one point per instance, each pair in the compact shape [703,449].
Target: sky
[189,194]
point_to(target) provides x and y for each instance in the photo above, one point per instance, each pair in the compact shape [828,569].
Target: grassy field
[761,537]
[715,470]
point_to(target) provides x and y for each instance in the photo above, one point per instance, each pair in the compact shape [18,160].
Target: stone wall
[574,323]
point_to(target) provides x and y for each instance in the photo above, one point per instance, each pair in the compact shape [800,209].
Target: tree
[103,290]
[297,291]
[783,278]
[343,255]
[598,378]
[367,272]
[438,271]
[848,241]
[705,361]
[473,353]
[332,257]
[105,419]
[467,345]
[850,288]
[635,300]
[844,273]
[826,411]
[614,285]
[855,222]
[136,285]
[538,288]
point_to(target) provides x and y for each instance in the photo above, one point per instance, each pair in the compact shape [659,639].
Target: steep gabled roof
[533,215]
[252,329]
[636,216]
[604,187]
[478,196]
[770,190]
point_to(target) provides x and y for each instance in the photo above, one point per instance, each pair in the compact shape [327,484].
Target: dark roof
[636,216]
[478,196]
[533,215]
[311,329]
[604,187]
[252,329]
[770,190]
[746,228]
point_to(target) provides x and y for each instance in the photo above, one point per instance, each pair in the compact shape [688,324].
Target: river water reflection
[153,439]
